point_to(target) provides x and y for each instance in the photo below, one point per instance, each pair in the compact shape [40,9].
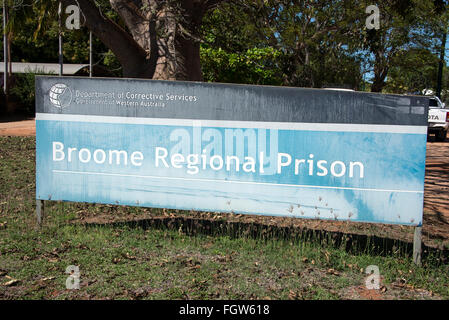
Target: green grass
[124,261]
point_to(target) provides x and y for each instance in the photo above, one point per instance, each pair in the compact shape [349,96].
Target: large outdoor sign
[292,152]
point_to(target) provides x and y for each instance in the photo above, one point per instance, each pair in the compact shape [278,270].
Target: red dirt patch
[18,128]
[436,192]
[391,292]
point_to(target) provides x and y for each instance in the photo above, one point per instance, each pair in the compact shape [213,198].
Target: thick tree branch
[161,39]
[134,19]
[130,54]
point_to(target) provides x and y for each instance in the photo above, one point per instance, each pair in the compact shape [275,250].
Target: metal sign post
[60,54]
[90,55]
[39,212]
[417,242]
[5,48]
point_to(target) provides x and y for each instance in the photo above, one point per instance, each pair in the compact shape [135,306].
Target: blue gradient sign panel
[241,149]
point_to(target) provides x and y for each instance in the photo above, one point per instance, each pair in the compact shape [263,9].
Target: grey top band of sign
[213,101]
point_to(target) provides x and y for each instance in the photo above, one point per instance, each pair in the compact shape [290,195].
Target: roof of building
[45,68]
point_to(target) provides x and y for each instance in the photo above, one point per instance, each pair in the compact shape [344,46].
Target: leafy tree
[405,25]
[254,66]
[412,71]
[310,37]
[35,29]
[231,50]
[290,42]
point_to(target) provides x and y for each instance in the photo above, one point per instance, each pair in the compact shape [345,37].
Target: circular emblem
[60,95]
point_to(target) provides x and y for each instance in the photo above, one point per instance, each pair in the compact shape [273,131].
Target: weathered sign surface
[294,152]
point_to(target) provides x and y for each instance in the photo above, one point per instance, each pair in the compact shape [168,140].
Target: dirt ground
[436,197]
[18,128]
[436,191]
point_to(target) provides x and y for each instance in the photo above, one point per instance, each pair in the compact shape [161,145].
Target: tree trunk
[380,71]
[441,64]
[163,38]
[178,47]
[377,86]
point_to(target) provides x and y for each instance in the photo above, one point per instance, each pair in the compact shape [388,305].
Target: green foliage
[294,43]
[413,71]
[109,60]
[405,26]
[307,37]
[254,66]
[230,28]
[23,91]
[33,30]
[232,51]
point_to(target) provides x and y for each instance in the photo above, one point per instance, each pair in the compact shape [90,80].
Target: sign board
[293,152]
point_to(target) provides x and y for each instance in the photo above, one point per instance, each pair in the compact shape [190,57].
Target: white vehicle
[438,119]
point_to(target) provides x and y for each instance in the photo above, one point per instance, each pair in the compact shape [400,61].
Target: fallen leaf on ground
[333,272]
[195,267]
[130,257]
[116,260]
[295,295]
[11,283]
[47,278]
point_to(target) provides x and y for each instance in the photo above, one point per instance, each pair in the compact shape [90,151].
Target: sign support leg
[417,241]
[39,212]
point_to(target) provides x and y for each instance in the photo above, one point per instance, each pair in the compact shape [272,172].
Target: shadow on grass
[350,242]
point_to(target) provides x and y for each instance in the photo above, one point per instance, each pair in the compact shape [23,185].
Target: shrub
[2,101]
[255,66]
[22,91]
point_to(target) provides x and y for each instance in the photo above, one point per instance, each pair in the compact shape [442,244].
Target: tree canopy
[314,43]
